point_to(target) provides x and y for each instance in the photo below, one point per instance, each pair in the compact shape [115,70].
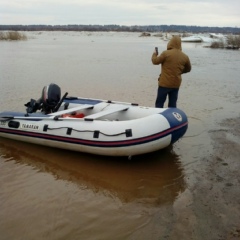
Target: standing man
[173,64]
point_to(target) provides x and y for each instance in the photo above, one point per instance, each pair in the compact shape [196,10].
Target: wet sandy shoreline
[209,208]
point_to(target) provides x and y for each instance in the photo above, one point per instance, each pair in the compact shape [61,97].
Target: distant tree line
[120,28]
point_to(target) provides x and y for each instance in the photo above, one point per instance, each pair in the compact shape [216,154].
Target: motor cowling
[51,96]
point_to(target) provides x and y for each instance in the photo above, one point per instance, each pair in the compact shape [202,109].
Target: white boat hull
[107,128]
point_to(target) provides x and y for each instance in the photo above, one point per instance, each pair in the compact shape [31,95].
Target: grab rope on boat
[96,133]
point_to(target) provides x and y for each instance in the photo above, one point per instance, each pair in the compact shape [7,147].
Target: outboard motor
[51,96]
[49,101]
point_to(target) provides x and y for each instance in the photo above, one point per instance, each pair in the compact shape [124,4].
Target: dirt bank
[210,208]
[216,198]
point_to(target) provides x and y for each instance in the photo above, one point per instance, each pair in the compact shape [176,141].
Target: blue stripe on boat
[81,101]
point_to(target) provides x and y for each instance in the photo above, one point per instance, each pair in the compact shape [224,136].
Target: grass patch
[217,44]
[12,36]
[232,42]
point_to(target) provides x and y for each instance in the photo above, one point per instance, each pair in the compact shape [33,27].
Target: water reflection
[155,178]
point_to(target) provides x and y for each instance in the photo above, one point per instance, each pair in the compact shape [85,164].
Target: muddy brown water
[187,191]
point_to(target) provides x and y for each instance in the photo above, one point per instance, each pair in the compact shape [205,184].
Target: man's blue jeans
[162,94]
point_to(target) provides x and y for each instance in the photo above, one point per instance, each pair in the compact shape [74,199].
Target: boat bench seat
[70,110]
[105,113]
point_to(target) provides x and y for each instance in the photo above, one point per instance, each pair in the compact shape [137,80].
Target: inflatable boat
[93,126]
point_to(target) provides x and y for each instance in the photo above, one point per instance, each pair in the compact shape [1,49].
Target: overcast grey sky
[220,13]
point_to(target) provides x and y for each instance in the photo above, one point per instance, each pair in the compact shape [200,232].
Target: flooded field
[188,191]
